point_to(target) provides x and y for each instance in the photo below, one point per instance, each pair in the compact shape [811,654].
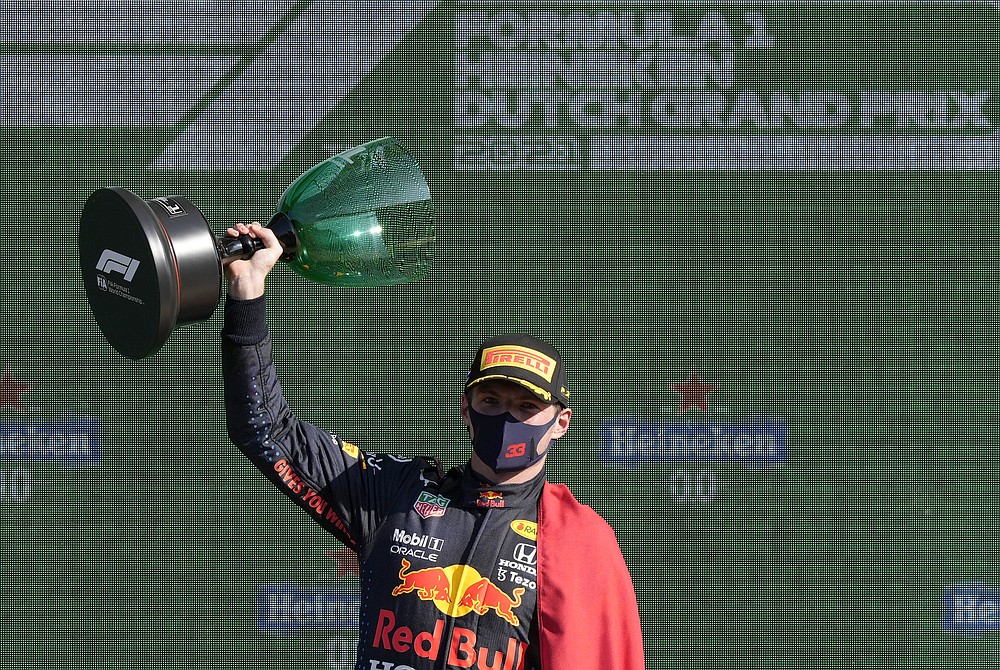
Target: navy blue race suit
[447,562]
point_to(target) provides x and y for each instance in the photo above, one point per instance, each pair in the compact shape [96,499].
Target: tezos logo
[112,261]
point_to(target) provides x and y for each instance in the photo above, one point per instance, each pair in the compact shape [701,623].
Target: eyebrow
[522,394]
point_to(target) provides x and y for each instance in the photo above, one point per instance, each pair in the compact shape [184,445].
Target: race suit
[447,562]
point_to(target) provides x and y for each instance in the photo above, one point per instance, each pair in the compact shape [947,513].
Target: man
[486,567]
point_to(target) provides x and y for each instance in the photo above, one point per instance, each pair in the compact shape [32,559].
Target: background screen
[757,231]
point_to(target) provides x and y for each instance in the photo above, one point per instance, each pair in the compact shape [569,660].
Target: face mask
[504,443]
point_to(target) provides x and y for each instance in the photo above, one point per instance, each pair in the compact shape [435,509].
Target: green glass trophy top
[362,218]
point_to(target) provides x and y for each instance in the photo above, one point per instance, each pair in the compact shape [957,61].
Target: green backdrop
[759,232]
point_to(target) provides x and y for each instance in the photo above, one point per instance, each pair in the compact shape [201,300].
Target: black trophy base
[148,266]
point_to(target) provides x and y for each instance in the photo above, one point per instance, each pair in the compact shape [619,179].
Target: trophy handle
[244,246]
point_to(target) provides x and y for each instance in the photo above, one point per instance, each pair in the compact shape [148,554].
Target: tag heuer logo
[429,505]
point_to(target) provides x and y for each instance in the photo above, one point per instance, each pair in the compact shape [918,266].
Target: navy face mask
[503,443]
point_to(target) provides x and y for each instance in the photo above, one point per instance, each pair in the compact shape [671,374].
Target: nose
[502,408]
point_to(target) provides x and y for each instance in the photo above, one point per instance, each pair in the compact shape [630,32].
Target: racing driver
[487,566]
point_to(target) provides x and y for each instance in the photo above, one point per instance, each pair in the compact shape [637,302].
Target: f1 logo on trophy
[361,218]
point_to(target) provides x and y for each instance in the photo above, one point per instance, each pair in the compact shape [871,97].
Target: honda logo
[525,553]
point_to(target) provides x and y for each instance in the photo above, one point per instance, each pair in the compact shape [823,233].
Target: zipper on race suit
[466,560]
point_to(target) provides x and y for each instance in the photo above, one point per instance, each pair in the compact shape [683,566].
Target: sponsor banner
[722,86]
[556,85]
[972,608]
[74,440]
[15,485]
[753,442]
[291,608]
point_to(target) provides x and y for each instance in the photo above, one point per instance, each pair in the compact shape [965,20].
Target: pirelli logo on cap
[519,357]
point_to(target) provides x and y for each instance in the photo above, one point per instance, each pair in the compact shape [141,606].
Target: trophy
[361,218]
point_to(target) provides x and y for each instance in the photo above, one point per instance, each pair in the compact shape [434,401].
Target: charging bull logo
[484,596]
[491,498]
[442,587]
[430,584]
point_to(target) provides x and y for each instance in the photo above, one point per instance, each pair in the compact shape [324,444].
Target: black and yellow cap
[525,360]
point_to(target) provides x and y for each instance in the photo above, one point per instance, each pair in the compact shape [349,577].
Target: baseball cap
[525,360]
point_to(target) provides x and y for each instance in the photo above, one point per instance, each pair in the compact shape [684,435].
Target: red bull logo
[490,499]
[457,590]
[484,596]
[462,649]
[430,583]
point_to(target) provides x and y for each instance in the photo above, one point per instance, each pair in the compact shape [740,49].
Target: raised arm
[342,488]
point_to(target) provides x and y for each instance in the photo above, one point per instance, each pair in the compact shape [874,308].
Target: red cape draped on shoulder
[587,612]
